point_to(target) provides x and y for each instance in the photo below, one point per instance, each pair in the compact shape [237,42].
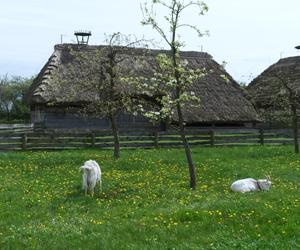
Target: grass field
[146,202]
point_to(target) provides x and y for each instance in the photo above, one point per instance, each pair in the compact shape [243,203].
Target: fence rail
[7,129]
[18,139]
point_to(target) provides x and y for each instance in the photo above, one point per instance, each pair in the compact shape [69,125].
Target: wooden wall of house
[60,118]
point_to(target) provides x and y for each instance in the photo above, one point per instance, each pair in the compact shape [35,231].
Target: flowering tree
[98,80]
[173,78]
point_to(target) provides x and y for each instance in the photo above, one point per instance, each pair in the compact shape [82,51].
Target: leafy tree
[12,91]
[6,96]
[174,78]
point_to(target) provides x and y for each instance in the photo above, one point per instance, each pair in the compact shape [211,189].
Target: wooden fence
[15,128]
[30,140]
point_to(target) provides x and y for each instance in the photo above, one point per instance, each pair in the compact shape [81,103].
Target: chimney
[82,37]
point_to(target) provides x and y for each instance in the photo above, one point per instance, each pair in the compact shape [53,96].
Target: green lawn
[146,202]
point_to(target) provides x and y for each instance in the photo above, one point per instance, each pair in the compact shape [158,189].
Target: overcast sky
[249,35]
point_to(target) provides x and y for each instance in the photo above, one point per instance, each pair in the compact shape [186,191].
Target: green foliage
[12,91]
[146,203]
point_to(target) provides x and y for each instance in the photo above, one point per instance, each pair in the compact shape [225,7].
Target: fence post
[261,137]
[24,141]
[212,138]
[156,138]
[93,139]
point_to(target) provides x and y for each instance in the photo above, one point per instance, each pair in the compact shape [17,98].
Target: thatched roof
[268,90]
[222,99]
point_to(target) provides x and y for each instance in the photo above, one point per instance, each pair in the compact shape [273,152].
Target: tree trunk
[192,169]
[115,132]
[295,128]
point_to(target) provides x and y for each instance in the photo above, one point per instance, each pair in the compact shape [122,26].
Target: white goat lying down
[91,175]
[249,184]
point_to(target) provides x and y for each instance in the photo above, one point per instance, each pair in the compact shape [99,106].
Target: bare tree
[288,100]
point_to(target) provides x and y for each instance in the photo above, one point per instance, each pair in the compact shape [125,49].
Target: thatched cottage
[269,86]
[273,89]
[223,102]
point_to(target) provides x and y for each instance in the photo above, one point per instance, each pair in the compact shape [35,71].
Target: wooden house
[274,89]
[222,101]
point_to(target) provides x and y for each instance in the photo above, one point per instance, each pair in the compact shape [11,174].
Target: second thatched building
[276,91]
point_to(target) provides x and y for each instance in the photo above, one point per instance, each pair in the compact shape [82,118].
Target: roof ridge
[140,50]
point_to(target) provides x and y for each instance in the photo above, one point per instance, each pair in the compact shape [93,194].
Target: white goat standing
[249,184]
[91,175]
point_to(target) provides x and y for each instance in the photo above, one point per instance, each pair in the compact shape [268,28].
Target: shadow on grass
[77,195]
[75,198]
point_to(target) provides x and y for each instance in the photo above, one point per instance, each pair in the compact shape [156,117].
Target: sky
[249,35]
